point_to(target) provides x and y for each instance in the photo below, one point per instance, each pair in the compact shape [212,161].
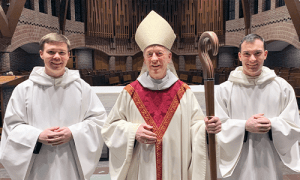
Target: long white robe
[184,155]
[258,158]
[42,102]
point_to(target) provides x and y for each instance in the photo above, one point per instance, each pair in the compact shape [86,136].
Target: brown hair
[251,38]
[54,37]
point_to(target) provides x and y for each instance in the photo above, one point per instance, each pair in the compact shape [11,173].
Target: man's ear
[170,57]
[265,54]
[41,54]
[239,54]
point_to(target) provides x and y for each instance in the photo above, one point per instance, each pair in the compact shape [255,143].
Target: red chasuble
[157,108]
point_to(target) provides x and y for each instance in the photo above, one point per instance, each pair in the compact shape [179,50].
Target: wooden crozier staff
[208,74]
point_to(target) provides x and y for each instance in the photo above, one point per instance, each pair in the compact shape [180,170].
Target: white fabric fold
[42,102]
[258,158]
[160,84]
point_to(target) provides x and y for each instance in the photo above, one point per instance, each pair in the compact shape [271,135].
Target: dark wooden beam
[63,8]
[4,28]
[114,15]
[293,7]
[10,20]
[247,16]
[179,24]
[130,20]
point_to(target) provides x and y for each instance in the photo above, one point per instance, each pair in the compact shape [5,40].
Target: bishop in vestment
[156,129]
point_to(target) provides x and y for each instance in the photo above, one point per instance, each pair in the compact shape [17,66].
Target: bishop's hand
[213,125]
[145,135]
[258,124]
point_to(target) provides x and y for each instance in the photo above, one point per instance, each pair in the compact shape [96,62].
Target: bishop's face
[252,56]
[157,58]
[55,56]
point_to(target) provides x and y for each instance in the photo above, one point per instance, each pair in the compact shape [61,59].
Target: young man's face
[157,58]
[252,56]
[55,56]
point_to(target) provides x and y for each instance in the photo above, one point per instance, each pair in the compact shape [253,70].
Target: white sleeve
[230,143]
[199,169]
[18,138]
[119,135]
[286,130]
[87,133]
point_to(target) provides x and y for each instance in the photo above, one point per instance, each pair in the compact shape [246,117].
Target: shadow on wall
[288,57]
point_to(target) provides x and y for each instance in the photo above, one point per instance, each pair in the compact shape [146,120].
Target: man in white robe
[52,125]
[260,119]
[156,128]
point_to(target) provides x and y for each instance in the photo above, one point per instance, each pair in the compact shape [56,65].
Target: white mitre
[154,29]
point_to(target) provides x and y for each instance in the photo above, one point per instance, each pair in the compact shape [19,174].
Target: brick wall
[288,57]
[72,26]
[7,91]
[274,24]
[33,25]
[226,56]
[21,60]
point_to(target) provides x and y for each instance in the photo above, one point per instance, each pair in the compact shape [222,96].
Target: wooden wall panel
[175,60]
[166,8]
[188,19]
[120,63]
[126,15]
[122,19]
[137,62]
[100,18]
[100,60]
[116,21]
[73,60]
[70,63]
[210,16]
[190,62]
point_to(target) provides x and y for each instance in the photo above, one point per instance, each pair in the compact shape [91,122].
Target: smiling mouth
[56,63]
[155,65]
[252,65]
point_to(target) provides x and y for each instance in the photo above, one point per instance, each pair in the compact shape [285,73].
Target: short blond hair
[54,37]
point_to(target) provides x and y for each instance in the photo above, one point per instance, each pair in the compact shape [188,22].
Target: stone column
[5,62]
[237,9]
[260,6]
[129,63]
[198,63]
[72,9]
[181,63]
[84,58]
[273,5]
[49,9]
[36,6]
[112,63]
